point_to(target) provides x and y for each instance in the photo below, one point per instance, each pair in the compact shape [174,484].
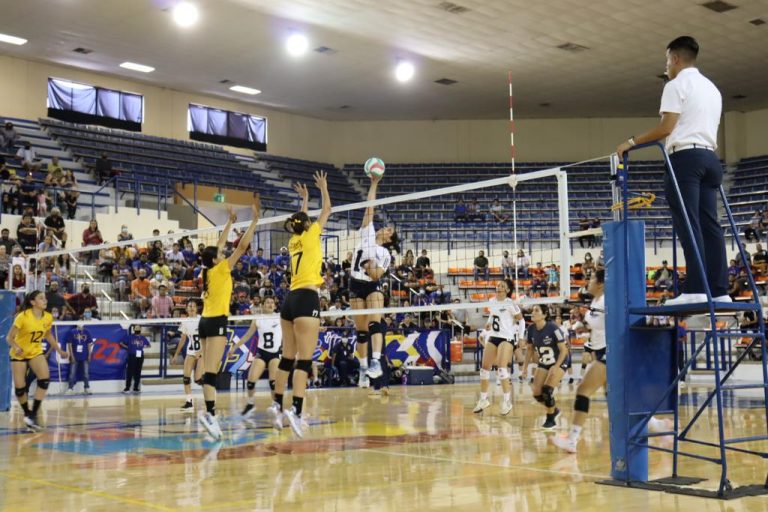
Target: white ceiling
[242,40]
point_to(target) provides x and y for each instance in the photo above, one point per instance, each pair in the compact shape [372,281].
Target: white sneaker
[277,415]
[722,298]
[87,391]
[481,405]
[362,381]
[294,420]
[505,408]
[687,298]
[69,391]
[656,425]
[210,423]
[374,371]
[32,424]
[564,443]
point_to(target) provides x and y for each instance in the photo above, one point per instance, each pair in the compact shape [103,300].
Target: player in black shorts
[548,342]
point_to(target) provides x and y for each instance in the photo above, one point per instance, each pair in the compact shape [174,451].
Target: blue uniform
[546,343]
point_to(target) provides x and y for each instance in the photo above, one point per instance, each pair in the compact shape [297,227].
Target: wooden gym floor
[421,448]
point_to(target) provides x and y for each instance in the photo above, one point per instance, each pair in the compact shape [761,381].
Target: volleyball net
[450,258]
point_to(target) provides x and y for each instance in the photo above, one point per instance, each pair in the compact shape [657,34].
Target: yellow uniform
[30,334]
[219,290]
[306,258]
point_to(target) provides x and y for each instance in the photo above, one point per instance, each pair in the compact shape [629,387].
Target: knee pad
[374,328]
[305,365]
[20,392]
[539,398]
[485,374]
[363,336]
[581,404]
[285,364]
[250,385]
[43,383]
[187,381]
[549,399]
[209,379]
[504,373]
[199,382]
[272,385]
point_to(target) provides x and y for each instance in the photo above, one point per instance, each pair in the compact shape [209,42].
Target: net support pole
[7,310]
[564,228]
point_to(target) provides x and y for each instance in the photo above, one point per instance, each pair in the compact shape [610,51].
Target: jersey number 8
[269,342]
[195,343]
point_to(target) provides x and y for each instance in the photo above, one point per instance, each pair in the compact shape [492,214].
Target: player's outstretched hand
[301,189]
[321,179]
[256,206]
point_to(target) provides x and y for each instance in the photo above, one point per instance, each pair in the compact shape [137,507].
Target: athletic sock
[575,433]
[25,408]
[189,398]
[36,407]
[272,386]
[251,400]
[248,407]
[376,355]
[210,406]
[298,403]
[484,395]
[507,397]
[279,400]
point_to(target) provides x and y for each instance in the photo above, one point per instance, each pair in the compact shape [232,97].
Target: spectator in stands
[140,293]
[523,264]
[102,169]
[122,275]
[28,193]
[739,285]
[755,229]
[267,290]
[538,286]
[6,241]
[240,272]
[107,261]
[407,326]
[12,195]
[481,266]
[474,213]
[497,212]
[588,266]
[156,251]
[259,259]
[162,304]
[54,171]
[5,171]
[553,280]
[507,265]
[70,201]
[92,236]
[460,211]
[584,224]
[733,268]
[343,360]
[18,278]
[63,272]
[56,299]
[189,254]
[142,263]
[27,234]
[158,280]
[663,278]
[175,255]
[283,260]
[55,226]
[760,259]
[162,267]
[242,305]
[8,138]
[85,299]
[5,267]
[124,235]
[42,202]
[600,263]
[28,158]
[47,244]
[346,265]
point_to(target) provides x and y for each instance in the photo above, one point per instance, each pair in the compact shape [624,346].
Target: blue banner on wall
[108,358]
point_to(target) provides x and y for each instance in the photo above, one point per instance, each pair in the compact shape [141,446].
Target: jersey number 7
[298,262]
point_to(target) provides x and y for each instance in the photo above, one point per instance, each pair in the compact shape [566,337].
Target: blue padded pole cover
[7,309]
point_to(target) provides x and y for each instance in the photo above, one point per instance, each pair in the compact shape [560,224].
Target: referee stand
[643,373]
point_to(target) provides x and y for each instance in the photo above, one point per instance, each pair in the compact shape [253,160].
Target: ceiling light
[404,71]
[245,90]
[137,67]
[18,41]
[185,14]
[297,45]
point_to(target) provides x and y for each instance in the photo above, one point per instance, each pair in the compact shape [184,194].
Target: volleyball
[374,167]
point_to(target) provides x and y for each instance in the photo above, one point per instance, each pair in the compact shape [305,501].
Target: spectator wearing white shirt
[28,158]
[175,255]
[508,266]
[522,264]
[690,112]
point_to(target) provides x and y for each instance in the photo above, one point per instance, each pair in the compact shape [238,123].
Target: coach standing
[690,114]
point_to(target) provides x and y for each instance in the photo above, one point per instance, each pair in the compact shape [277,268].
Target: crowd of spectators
[472,212]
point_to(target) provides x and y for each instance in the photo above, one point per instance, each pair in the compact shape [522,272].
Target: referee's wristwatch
[631,141]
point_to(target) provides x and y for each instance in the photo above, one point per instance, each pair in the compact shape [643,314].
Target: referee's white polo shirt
[699,103]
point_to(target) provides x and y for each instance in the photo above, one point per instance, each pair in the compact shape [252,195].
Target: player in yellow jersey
[30,327]
[217,295]
[300,312]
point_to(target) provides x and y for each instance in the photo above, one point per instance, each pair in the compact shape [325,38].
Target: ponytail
[510,286]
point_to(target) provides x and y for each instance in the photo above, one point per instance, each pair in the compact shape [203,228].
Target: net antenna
[513,182]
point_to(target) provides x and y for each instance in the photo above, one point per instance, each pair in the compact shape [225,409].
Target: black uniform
[545,342]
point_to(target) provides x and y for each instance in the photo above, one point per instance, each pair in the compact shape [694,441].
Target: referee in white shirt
[690,114]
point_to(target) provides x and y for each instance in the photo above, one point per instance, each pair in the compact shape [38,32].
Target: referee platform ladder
[643,367]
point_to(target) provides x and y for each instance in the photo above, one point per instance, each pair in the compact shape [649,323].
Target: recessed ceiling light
[185,14]
[18,41]
[404,71]
[245,90]
[297,45]
[137,67]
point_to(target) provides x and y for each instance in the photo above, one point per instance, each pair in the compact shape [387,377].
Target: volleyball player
[267,351]
[595,378]
[546,340]
[370,262]
[217,295]
[300,312]
[502,327]
[192,363]
[30,327]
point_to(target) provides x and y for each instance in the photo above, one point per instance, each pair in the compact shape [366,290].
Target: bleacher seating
[749,189]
